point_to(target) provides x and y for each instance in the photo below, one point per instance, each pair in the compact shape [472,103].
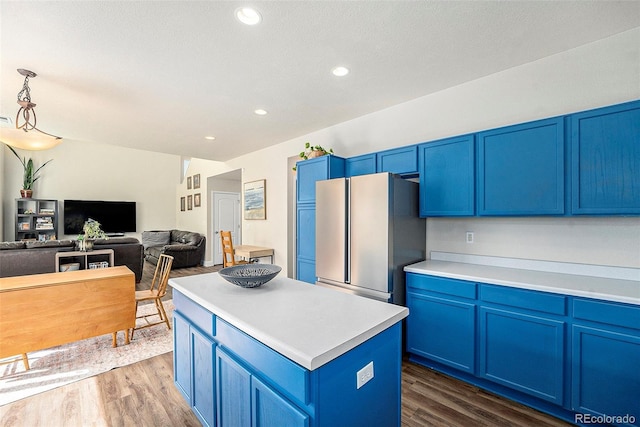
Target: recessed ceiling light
[260,112]
[210,138]
[340,71]
[248,15]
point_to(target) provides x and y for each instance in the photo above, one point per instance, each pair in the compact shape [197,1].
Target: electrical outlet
[469,238]
[364,375]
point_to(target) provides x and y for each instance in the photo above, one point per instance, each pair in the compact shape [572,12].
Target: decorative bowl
[250,275]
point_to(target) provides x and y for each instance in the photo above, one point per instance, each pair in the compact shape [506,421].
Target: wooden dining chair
[228,253]
[25,361]
[155,293]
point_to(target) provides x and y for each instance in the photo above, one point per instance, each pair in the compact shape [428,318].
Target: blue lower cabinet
[231,379]
[575,358]
[203,349]
[194,374]
[605,359]
[442,328]
[271,409]
[244,400]
[523,352]
[182,355]
[234,392]
[606,373]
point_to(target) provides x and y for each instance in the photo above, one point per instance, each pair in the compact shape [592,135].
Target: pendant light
[26,135]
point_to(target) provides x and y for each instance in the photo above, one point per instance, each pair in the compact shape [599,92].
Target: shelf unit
[36,219]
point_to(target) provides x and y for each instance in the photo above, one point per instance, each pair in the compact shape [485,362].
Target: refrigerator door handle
[348,233]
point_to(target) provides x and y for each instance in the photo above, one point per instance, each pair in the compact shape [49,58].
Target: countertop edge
[424,268]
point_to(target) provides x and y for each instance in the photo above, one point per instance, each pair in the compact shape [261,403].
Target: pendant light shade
[32,140]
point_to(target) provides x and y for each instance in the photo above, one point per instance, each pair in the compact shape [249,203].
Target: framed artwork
[196,200]
[189,183]
[182,204]
[189,202]
[196,181]
[255,199]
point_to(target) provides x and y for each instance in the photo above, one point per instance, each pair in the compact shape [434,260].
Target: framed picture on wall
[189,183]
[255,199]
[189,202]
[182,204]
[196,181]
[196,200]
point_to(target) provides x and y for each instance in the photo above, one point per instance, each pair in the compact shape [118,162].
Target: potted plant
[313,151]
[30,175]
[92,231]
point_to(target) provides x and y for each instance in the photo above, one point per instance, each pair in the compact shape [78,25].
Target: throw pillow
[155,238]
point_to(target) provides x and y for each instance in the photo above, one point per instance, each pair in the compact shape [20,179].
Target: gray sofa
[187,248]
[23,258]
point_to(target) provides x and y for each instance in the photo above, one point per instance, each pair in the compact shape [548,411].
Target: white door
[226,216]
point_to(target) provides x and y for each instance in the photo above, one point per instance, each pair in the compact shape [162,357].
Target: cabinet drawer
[611,313]
[288,377]
[521,298]
[442,285]
[198,315]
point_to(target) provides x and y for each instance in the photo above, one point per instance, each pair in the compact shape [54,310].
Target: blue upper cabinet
[521,169]
[401,161]
[605,160]
[310,171]
[360,165]
[447,177]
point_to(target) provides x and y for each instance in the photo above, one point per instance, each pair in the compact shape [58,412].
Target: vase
[316,153]
[26,194]
[85,245]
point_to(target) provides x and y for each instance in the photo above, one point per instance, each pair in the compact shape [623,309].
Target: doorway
[225,215]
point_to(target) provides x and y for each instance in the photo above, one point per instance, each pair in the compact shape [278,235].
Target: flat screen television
[115,217]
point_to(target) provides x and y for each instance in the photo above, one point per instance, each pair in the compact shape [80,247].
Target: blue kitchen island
[285,354]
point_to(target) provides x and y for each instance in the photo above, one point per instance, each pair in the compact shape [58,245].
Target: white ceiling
[161,75]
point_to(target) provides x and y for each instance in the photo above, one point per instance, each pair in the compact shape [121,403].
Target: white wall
[595,75]
[91,171]
[197,219]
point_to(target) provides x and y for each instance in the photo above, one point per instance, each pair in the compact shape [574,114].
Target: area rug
[57,366]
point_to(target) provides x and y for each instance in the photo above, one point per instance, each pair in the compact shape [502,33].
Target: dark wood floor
[143,394]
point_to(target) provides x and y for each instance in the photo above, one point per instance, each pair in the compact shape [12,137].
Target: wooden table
[250,252]
[45,310]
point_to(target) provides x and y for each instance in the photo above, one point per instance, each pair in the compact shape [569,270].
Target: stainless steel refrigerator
[367,229]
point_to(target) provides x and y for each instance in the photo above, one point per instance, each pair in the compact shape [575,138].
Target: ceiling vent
[5,121]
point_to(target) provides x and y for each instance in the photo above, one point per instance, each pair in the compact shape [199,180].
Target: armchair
[187,248]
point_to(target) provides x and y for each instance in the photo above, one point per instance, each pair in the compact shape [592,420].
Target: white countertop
[308,324]
[627,291]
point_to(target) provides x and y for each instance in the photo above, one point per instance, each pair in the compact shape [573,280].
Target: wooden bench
[45,310]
